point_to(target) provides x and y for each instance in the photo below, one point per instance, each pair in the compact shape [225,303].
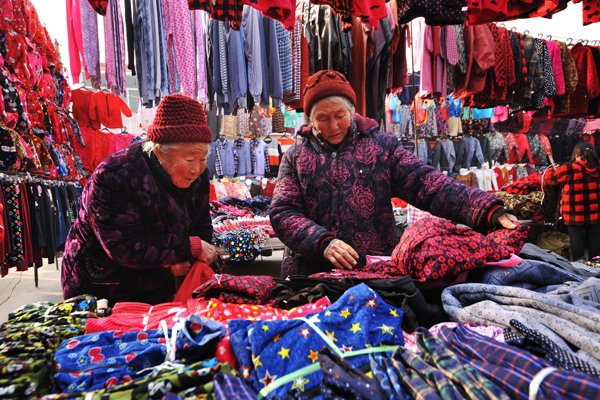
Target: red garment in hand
[197,276]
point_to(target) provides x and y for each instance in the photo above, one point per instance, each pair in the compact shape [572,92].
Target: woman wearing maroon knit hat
[144,216]
[331,205]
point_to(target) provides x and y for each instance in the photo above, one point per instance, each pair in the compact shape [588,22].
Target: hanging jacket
[107,108]
[344,193]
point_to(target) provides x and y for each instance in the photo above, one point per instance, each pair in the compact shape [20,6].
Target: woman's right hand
[340,254]
[209,253]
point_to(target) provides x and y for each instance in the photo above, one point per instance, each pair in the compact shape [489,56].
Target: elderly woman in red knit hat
[331,205]
[144,216]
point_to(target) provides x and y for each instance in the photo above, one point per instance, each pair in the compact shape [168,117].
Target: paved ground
[18,288]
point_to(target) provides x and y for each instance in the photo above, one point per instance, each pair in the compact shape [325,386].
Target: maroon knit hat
[324,84]
[179,119]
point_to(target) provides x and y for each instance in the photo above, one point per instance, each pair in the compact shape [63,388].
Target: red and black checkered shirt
[580,200]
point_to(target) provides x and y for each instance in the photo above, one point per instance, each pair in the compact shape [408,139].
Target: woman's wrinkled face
[184,162]
[331,118]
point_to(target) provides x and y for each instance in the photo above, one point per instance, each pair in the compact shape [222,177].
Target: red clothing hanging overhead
[107,108]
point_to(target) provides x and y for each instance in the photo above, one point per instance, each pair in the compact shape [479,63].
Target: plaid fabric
[231,10]
[284,46]
[463,375]
[296,38]
[513,369]
[529,184]
[580,201]
[436,378]
[341,7]
[341,380]
[521,336]
[231,387]
[222,10]
[251,289]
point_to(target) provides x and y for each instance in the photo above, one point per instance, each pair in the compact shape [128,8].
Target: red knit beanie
[324,84]
[179,119]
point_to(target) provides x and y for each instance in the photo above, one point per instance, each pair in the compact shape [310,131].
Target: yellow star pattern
[299,383]
[345,313]
[276,338]
[284,353]
[256,361]
[394,313]
[355,327]
[386,329]
[328,313]
[265,328]
[331,336]
[313,355]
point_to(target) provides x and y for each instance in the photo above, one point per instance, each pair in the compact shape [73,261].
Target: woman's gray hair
[343,99]
[149,147]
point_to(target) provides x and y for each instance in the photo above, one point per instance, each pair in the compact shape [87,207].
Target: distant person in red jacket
[580,199]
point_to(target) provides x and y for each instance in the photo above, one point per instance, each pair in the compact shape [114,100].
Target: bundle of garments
[235,208]
[435,249]
[29,339]
[253,222]
[36,128]
[242,244]
[240,190]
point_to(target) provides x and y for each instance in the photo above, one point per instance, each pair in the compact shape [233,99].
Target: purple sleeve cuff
[196,246]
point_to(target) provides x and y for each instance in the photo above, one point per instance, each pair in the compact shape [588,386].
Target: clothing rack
[569,41]
[20,177]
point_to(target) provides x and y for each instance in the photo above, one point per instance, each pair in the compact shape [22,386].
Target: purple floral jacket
[131,223]
[345,193]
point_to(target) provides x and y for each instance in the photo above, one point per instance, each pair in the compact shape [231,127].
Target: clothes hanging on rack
[37,214]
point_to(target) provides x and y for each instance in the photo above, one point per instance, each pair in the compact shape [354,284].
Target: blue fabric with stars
[269,350]
[99,360]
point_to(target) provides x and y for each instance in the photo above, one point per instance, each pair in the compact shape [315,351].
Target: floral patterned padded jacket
[324,192]
[131,223]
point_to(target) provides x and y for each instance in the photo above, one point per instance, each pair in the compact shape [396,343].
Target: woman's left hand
[507,221]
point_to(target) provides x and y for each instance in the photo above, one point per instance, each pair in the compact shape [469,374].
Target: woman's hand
[180,269]
[507,221]
[340,254]
[209,253]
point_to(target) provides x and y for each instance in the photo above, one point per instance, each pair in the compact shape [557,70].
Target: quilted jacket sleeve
[119,225]
[428,189]
[287,213]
